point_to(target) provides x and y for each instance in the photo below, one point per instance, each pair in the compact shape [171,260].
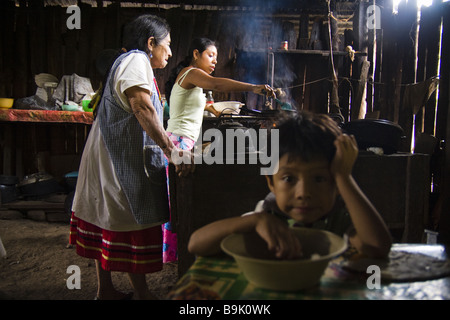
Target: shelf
[46,116]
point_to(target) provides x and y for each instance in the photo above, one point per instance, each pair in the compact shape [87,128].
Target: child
[315,165]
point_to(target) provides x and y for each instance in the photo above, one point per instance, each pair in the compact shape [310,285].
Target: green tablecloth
[220,278]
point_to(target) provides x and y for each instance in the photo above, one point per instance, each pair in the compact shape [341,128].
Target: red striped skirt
[130,251]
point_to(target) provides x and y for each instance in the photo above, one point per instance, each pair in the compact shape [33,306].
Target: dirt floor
[38,258]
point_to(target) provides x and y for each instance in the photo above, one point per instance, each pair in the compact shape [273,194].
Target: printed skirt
[130,251]
[169,236]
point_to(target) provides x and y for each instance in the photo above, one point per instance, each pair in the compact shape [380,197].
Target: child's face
[305,191]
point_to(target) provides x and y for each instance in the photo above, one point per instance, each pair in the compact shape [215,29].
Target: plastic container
[209,100]
[85,105]
[265,271]
[230,107]
[6,103]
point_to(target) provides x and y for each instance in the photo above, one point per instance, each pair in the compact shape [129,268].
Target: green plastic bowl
[263,270]
[69,107]
[85,105]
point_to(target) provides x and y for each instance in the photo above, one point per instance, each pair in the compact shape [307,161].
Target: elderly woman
[121,194]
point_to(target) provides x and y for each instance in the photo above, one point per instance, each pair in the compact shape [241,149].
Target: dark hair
[137,32]
[200,44]
[307,135]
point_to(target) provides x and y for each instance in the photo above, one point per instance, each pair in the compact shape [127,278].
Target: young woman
[184,91]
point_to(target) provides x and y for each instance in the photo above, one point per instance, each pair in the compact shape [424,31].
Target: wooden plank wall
[441,212]
[37,40]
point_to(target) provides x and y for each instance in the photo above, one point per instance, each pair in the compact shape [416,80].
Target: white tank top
[186,110]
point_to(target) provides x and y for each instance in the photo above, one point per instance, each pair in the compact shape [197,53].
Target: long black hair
[135,36]
[200,44]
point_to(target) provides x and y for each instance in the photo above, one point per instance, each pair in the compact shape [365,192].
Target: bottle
[209,100]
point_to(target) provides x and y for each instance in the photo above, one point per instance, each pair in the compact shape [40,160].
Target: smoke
[261,32]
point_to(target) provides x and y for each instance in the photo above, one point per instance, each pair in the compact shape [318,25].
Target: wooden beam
[442,211]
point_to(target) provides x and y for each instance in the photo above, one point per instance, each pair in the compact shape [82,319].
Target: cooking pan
[270,113]
[378,133]
[39,184]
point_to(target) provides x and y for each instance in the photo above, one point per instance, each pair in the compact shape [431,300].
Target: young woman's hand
[264,89]
[280,239]
[345,157]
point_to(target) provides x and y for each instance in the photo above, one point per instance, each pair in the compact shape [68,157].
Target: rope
[356,80]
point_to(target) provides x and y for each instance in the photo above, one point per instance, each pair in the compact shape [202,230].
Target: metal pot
[265,113]
[39,184]
[378,133]
[238,132]
[8,193]
[8,188]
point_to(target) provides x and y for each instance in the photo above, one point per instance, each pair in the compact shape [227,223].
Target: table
[220,278]
[46,116]
[35,140]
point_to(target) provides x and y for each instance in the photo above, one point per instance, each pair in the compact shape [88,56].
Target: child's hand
[280,239]
[345,157]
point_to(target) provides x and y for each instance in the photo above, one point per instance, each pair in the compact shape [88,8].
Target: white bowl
[263,270]
[233,107]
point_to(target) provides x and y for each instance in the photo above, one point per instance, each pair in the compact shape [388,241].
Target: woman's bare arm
[200,78]
[147,116]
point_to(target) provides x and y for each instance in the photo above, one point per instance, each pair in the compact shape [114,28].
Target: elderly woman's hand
[183,161]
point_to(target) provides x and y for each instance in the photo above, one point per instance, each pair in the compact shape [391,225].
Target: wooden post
[20,65]
[442,211]
[358,110]
[407,40]
[385,63]
[360,65]
[430,28]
